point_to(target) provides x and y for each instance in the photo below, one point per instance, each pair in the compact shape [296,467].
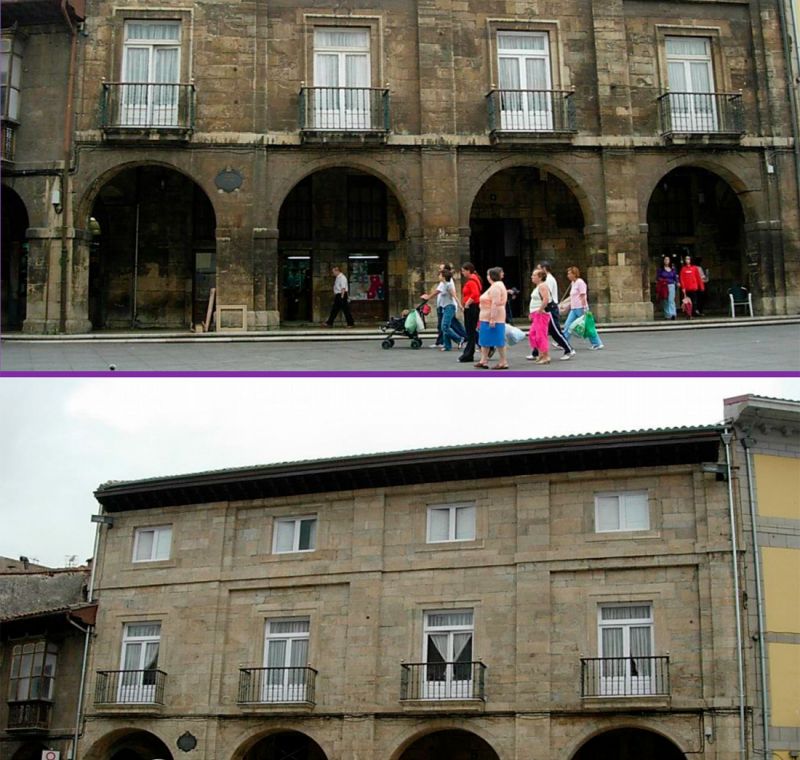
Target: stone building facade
[248,149]
[559,598]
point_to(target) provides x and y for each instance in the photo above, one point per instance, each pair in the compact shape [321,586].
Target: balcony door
[626,649]
[342,99]
[150,74]
[526,103]
[691,83]
[448,655]
[286,658]
[140,645]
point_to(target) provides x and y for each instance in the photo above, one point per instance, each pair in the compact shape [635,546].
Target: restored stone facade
[432,168]
[533,579]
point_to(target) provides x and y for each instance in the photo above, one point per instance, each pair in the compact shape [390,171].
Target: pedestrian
[554,329]
[579,305]
[666,285]
[435,292]
[540,319]
[470,301]
[701,295]
[340,299]
[692,284]
[452,329]
[492,321]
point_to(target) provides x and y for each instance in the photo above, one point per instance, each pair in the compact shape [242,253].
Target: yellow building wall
[778,484]
[784,670]
[781,589]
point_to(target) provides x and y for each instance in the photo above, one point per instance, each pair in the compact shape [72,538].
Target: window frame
[15,42]
[559,73]
[452,522]
[136,688]
[297,520]
[620,495]
[156,530]
[48,652]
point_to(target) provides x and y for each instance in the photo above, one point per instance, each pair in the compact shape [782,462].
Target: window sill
[154,564]
[624,535]
[443,705]
[275,707]
[451,546]
[614,704]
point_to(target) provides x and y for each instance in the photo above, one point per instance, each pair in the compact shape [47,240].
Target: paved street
[741,348]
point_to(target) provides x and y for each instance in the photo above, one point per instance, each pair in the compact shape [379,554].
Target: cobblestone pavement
[739,348]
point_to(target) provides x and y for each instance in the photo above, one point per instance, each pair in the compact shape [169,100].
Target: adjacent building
[246,149]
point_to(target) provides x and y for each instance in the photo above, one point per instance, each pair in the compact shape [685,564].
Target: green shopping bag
[578,327]
[590,326]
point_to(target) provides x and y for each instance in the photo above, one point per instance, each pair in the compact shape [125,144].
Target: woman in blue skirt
[492,321]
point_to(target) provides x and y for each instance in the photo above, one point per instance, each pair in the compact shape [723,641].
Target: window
[286,660]
[455,522]
[295,534]
[140,644]
[621,512]
[33,671]
[150,74]
[342,96]
[152,544]
[526,102]
[448,655]
[691,84]
[625,641]
[10,76]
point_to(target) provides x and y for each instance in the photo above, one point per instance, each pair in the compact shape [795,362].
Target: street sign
[50,754]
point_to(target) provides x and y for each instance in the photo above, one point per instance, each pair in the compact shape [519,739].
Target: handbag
[563,309]
[513,335]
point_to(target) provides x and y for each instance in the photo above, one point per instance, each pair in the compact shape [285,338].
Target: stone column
[43,292]
[441,233]
[77,295]
[764,249]
[266,280]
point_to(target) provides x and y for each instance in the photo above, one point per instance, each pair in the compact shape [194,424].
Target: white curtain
[521,42]
[448,619]
[285,538]
[465,523]
[607,513]
[683,46]
[164,31]
[439,524]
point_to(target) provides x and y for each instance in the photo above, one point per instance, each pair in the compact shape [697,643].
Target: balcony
[31,715]
[130,687]
[147,111]
[344,114]
[8,141]
[619,677]
[715,117]
[518,116]
[443,681]
[272,686]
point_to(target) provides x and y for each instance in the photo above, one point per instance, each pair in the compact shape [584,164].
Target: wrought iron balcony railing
[30,715]
[276,685]
[125,687]
[443,680]
[8,141]
[701,113]
[531,111]
[147,105]
[625,676]
[344,109]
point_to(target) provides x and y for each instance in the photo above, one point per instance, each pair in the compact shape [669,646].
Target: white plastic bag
[513,335]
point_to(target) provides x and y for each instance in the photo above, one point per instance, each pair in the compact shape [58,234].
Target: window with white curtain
[152,544]
[451,522]
[150,73]
[294,534]
[525,82]
[140,645]
[342,99]
[286,659]
[691,83]
[624,511]
[448,654]
[625,640]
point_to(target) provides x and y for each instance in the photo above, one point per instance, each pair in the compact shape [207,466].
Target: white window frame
[11,76]
[526,111]
[343,105]
[161,534]
[150,103]
[33,671]
[690,111]
[134,684]
[296,536]
[628,674]
[623,500]
[453,510]
[450,686]
[285,686]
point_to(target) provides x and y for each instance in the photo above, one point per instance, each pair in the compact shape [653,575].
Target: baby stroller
[407,325]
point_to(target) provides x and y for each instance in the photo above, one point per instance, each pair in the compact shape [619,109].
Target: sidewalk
[370,332]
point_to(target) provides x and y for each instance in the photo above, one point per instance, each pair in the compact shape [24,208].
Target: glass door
[626,646]
[448,655]
[139,662]
[286,658]
[341,79]
[691,82]
[526,102]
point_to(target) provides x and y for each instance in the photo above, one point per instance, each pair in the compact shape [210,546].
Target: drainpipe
[66,208]
[726,437]
[81,691]
[783,15]
[762,650]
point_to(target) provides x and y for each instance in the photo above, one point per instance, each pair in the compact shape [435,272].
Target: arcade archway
[524,215]
[285,745]
[153,252]
[694,211]
[629,744]
[452,744]
[14,260]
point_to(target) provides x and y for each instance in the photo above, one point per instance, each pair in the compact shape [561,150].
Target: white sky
[61,438]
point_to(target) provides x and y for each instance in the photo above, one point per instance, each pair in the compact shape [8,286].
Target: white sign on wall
[51,754]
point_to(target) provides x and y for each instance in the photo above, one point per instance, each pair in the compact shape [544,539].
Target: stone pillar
[77,295]
[441,241]
[764,249]
[43,293]
[266,280]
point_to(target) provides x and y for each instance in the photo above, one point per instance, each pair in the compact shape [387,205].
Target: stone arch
[14,260]
[638,735]
[264,740]
[30,751]
[124,743]
[446,729]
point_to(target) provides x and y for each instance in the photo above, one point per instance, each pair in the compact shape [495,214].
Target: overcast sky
[61,438]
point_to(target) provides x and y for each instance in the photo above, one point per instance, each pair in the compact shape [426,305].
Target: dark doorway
[498,243]
[287,745]
[14,261]
[139,745]
[296,288]
[629,744]
[450,745]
